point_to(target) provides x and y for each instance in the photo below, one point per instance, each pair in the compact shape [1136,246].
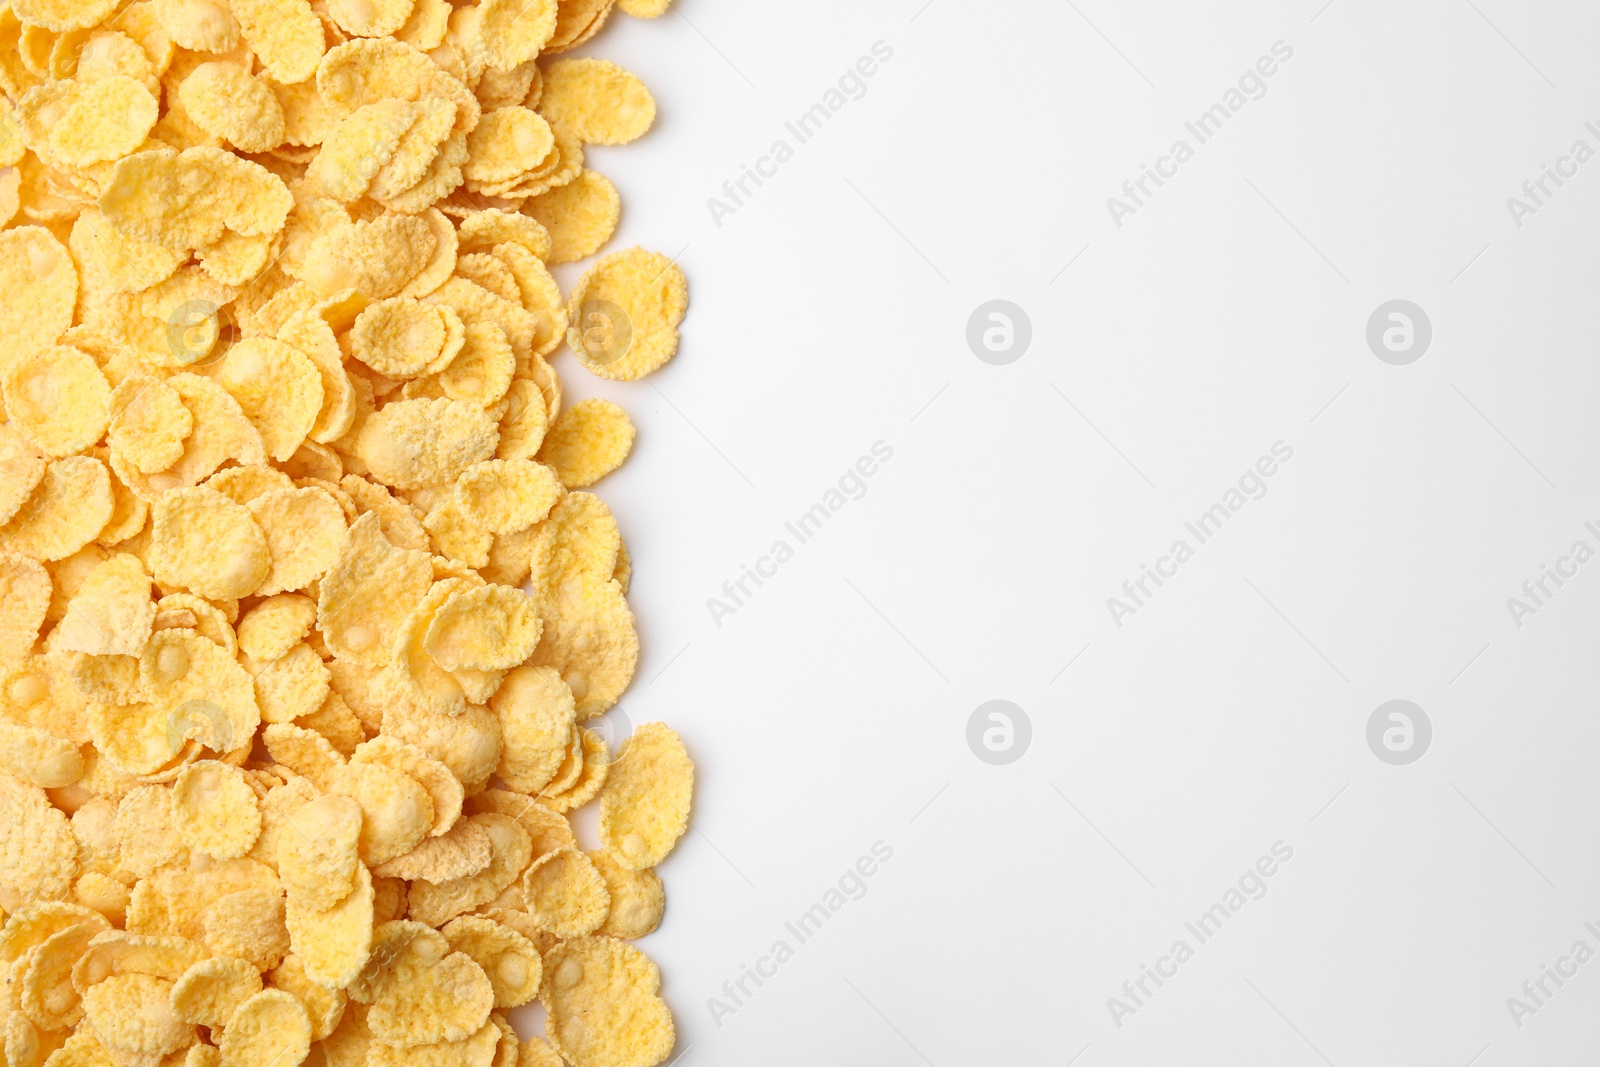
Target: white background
[829,712]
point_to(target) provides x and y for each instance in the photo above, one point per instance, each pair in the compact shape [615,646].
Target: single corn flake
[597,101]
[525,423]
[275,625]
[215,810]
[506,143]
[644,808]
[38,291]
[505,496]
[202,541]
[148,423]
[102,121]
[488,628]
[199,25]
[370,18]
[270,1028]
[604,1011]
[565,893]
[377,258]
[133,1013]
[210,696]
[24,599]
[62,15]
[624,314]
[436,903]
[278,388]
[428,993]
[515,31]
[284,34]
[637,898]
[410,444]
[112,613]
[317,858]
[588,441]
[484,370]
[644,9]
[403,338]
[58,399]
[363,142]
[68,508]
[211,991]
[580,216]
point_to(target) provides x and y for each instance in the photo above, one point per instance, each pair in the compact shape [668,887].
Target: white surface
[830,711]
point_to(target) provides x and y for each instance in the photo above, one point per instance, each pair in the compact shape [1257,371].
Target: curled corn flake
[515,31]
[62,15]
[199,25]
[292,686]
[588,441]
[624,314]
[58,399]
[402,338]
[490,628]
[460,852]
[506,143]
[225,100]
[334,943]
[359,146]
[369,592]
[525,423]
[370,18]
[133,1013]
[580,216]
[376,258]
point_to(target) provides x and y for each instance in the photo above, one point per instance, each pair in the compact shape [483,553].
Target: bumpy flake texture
[295,559]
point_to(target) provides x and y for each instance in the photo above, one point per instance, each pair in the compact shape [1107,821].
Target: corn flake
[624,314]
[211,991]
[206,543]
[601,996]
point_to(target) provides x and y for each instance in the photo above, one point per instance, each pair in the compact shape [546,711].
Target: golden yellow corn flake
[67,509]
[565,893]
[589,440]
[58,399]
[148,423]
[603,1007]
[112,613]
[507,142]
[438,903]
[102,121]
[443,788]
[410,444]
[24,599]
[323,1006]
[276,625]
[637,898]
[644,807]
[401,338]
[334,943]
[369,592]
[462,851]
[212,990]
[269,1028]
[38,290]
[204,542]
[484,370]
[305,532]
[644,9]
[278,388]
[209,695]
[624,314]
[133,1014]
[510,960]
[317,857]
[580,216]
[284,34]
[489,628]
[597,101]
[361,144]
[483,230]
[515,31]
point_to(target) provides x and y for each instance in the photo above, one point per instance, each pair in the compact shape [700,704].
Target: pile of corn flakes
[303,607]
